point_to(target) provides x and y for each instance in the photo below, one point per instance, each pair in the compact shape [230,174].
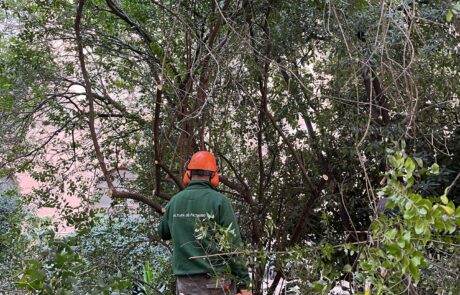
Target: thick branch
[381,99]
[205,73]
[89,95]
[176,180]
[235,171]
[240,189]
[137,197]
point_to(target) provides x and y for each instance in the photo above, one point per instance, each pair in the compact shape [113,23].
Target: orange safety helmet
[202,160]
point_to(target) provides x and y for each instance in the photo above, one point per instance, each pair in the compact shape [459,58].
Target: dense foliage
[302,102]
[115,255]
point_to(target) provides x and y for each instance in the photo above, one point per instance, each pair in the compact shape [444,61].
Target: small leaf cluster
[402,236]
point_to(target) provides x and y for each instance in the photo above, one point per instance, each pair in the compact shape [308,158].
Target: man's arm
[163,228]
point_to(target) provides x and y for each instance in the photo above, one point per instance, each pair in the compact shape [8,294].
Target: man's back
[198,201]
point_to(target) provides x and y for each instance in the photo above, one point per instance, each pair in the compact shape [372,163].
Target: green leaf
[414,271]
[449,16]
[435,168]
[347,268]
[422,211]
[406,237]
[390,204]
[444,199]
[450,227]
[391,234]
[408,205]
[409,164]
[394,250]
[405,263]
[419,227]
[410,180]
[424,203]
[401,243]
[448,210]
[393,162]
[439,224]
[416,260]
[419,162]
[359,277]
[409,214]
[456,8]
[327,250]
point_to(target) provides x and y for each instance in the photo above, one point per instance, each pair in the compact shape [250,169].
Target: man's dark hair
[201,173]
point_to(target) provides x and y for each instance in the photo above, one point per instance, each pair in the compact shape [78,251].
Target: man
[196,202]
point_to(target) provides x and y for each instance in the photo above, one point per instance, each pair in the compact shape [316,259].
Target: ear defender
[214,179]
[186,178]
[203,161]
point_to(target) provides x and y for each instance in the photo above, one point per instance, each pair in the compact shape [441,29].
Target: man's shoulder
[217,196]
[220,198]
[179,195]
[216,193]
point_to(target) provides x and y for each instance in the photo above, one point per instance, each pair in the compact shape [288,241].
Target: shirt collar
[197,184]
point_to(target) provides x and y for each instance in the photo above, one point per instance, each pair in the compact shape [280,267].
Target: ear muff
[202,160]
[186,178]
[215,179]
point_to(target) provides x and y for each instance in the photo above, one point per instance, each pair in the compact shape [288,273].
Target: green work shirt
[197,201]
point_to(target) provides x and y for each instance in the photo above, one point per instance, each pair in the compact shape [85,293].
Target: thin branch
[452,184]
